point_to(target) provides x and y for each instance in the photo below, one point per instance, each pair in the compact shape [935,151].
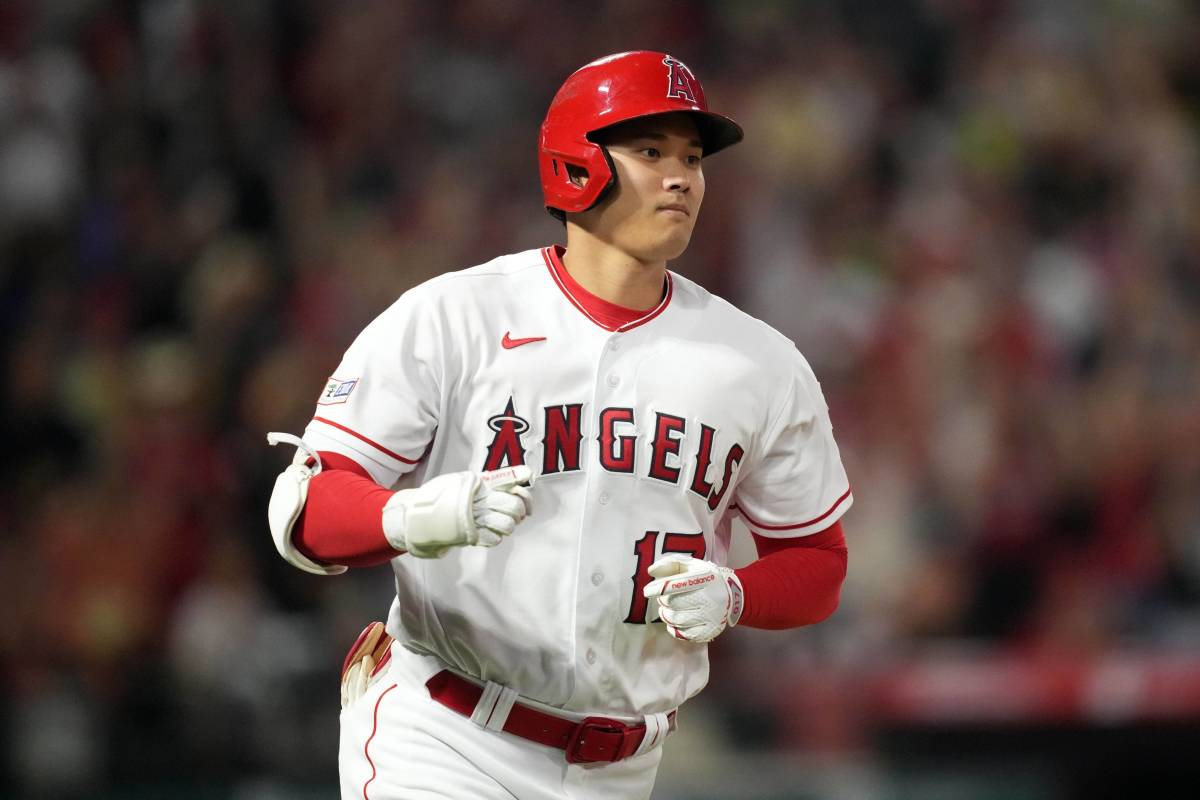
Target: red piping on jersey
[366,747]
[359,436]
[798,525]
[594,307]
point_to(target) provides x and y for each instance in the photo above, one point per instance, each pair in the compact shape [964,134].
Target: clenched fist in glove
[696,599]
[460,508]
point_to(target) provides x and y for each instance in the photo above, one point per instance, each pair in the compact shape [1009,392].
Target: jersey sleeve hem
[378,447]
[384,465]
[807,528]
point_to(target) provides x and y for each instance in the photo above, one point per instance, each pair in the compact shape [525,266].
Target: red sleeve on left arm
[796,581]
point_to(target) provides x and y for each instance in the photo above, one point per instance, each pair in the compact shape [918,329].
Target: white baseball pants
[397,743]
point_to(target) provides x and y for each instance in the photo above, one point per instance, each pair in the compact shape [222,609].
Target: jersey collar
[609,316]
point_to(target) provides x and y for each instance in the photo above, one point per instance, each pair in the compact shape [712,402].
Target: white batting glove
[696,599]
[502,500]
[363,664]
[457,509]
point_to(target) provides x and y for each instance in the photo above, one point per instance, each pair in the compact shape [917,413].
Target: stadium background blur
[980,220]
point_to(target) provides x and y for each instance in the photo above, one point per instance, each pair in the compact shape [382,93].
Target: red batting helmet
[605,92]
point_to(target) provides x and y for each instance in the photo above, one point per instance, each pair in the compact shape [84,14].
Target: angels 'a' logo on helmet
[679,80]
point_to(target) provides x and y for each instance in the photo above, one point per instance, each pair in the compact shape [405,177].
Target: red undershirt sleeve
[796,581]
[342,521]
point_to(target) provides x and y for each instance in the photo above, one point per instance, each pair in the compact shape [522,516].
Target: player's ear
[578,175]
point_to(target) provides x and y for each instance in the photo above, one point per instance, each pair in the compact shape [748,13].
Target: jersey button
[614,345]
[613,380]
[597,578]
[604,498]
[591,656]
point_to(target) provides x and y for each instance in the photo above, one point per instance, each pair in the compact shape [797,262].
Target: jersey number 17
[646,550]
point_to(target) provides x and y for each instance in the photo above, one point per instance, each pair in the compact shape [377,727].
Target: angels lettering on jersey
[617,439]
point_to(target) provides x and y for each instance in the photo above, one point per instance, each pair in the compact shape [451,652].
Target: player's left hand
[697,599]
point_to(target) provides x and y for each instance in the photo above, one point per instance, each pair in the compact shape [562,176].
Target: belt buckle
[591,726]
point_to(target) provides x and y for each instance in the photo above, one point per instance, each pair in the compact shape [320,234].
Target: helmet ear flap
[610,170]
[568,196]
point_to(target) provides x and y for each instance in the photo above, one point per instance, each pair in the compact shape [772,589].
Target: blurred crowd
[979,220]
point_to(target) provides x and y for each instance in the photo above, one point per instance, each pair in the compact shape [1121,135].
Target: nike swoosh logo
[509,343]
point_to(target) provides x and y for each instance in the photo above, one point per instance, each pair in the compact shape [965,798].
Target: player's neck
[612,274]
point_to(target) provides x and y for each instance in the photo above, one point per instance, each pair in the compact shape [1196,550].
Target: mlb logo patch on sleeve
[336,391]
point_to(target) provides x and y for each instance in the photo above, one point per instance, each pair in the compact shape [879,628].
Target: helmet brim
[717,131]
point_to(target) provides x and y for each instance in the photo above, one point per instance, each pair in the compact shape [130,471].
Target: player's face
[660,184]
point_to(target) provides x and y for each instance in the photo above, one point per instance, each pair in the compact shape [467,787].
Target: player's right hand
[458,509]
[502,500]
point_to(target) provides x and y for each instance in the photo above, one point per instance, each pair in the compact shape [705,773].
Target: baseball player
[549,449]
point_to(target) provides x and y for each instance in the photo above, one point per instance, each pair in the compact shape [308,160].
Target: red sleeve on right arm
[342,521]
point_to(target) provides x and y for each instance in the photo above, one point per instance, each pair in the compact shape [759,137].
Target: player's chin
[671,242]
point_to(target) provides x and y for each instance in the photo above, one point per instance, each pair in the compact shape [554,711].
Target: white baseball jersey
[643,439]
